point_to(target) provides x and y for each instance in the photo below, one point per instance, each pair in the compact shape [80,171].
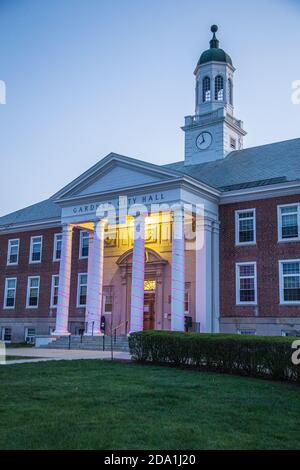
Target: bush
[252,356]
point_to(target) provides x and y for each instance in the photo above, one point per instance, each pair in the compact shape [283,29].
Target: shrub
[252,356]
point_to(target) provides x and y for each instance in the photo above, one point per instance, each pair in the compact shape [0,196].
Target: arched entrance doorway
[153,288]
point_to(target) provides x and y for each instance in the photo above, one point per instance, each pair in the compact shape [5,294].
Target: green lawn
[103,405]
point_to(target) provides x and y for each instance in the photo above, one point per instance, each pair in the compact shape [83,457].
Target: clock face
[204,140]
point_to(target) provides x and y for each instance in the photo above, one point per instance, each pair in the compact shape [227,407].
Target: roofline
[31,225]
[261,192]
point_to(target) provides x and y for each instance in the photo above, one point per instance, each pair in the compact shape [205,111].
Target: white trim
[31,249]
[281,289]
[3,333]
[9,246]
[6,291]
[255,193]
[187,312]
[78,305]
[80,243]
[56,235]
[34,307]
[279,222]
[237,227]
[237,283]
[53,277]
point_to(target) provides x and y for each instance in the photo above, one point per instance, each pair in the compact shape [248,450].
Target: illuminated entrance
[149,304]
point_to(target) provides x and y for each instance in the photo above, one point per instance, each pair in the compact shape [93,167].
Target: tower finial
[214,42]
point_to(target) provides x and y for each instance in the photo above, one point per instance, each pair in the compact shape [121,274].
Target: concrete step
[120,343]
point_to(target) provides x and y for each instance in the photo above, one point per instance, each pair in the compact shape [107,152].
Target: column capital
[67,228]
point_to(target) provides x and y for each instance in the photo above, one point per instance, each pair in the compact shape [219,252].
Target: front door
[149,310]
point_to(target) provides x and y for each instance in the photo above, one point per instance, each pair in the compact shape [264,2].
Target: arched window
[230,91]
[206,94]
[219,88]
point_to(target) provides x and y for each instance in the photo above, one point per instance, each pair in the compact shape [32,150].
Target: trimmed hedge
[252,356]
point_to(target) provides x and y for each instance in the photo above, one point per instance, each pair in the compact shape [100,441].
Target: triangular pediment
[115,172]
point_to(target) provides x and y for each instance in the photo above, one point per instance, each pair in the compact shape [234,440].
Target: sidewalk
[43,355]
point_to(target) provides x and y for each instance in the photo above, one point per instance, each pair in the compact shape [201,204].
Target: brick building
[211,243]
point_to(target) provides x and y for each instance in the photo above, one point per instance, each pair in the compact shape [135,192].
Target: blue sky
[87,77]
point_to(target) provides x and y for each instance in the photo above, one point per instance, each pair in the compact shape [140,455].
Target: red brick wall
[267,252]
[45,269]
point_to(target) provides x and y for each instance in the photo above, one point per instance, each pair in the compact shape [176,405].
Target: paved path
[43,355]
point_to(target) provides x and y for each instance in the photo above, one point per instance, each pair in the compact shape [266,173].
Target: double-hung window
[13,252]
[10,293]
[54,290]
[82,290]
[33,292]
[84,244]
[288,222]
[245,227]
[36,244]
[289,281]
[57,247]
[246,284]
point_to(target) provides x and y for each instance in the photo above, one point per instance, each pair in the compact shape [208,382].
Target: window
[245,227]
[230,91]
[206,93]
[10,293]
[288,222]
[82,290]
[6,335]
[289,280]
[246,332]
[233,143]
[57,247]
[246,283]
[33,291]
[84,244]
[186,303]
[13,252]
[219,88]
[36,249]
[54,290]
[30,335]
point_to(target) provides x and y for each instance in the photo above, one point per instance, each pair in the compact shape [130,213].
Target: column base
[61,333]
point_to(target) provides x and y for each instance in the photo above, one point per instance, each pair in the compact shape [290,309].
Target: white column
[62,312]
[178,274]
[204,274]
[138,275]
[216,276]
[95,280]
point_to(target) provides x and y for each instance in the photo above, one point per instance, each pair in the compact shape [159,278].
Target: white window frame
[279,223]
[31,249]
[28,292]
[80,243]
[3,333]
[79,284]
[237,227]
[9,246]
[237,283]
[54,276]
[281,283]
[6,291]
[26,335]
[56,235]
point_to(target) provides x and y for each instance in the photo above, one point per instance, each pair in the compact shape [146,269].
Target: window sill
[246,244]
[289,240]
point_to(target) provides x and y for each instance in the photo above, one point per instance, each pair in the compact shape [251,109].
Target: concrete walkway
[43,355]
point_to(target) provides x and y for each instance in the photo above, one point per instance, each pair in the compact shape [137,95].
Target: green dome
[214,53]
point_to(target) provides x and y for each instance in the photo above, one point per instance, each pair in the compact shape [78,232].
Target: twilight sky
[87,77]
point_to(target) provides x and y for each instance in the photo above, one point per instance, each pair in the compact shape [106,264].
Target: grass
[94,404]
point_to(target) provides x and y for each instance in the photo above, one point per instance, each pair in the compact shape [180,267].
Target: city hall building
[66,269]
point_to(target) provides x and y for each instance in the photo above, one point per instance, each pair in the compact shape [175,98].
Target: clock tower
[213,131]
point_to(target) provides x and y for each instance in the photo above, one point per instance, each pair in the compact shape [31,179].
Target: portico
[168,220]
